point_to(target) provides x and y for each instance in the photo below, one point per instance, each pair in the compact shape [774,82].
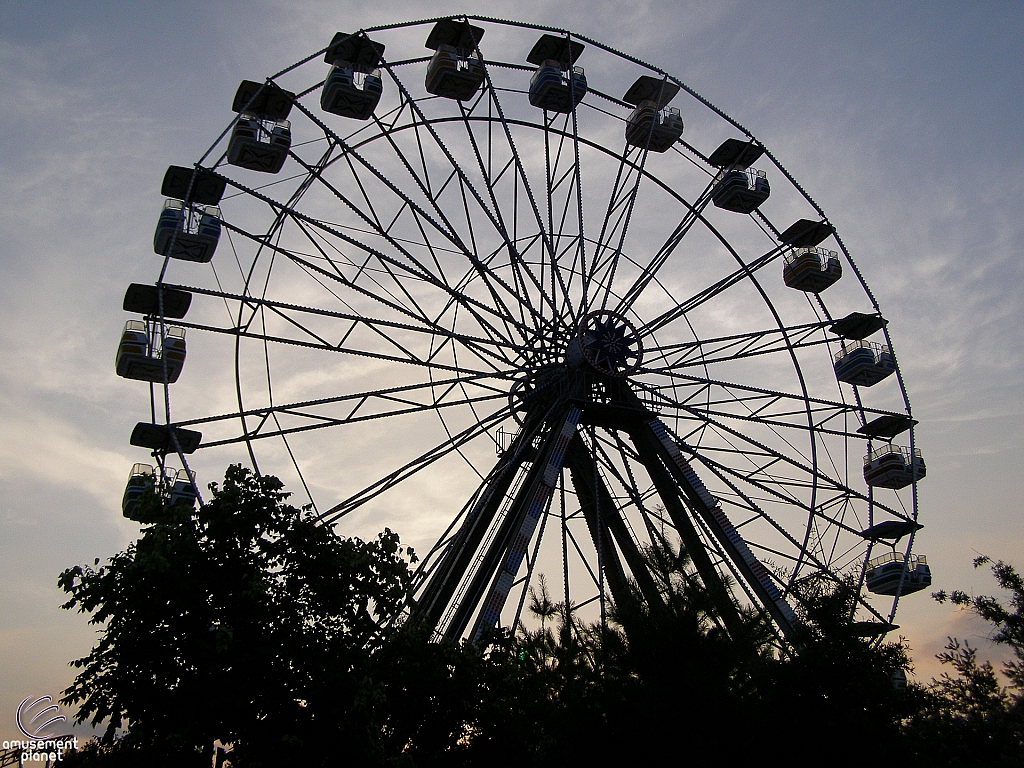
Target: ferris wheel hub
[608,342]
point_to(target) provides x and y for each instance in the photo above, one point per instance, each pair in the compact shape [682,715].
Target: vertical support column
[647,447]
[540,498]
[753,570]
[582,468]
[449,572]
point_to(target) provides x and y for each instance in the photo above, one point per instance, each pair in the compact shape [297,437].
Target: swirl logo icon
[32,721]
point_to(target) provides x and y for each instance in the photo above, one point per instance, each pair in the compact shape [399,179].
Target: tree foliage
[671,683]
[246,623]
[970,717]
[243,622]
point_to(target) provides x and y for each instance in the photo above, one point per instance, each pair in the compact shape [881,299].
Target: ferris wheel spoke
[746,270]
[420,215]
[307,224]
[486,318]
[522,177]
[320,343]
[268,424]
[350,151]
[757,402]
[338,276]
[623,227]
[466,184]
[555,177]
[524,276]
[430,394]
[406,471]
[581,140]
[476,309]
[612,217]
[628,481]
[735,347]
[488,350]
[815,478]
[373,220]
[785,420]
[753,410]
[731,478]
[697,355]
[649,272]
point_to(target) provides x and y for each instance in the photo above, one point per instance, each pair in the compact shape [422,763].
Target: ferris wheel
[472,279]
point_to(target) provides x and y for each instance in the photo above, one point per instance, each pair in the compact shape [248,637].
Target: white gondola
[259,144]
[899,679]
[454,73]
[741,191]
[667,126]
[885,574]
[175,486]
[139,358]
[350,92]
[140,482]
[187,231]
[557,88]
[893,467]
[811,269]
[181,487]
[864,363]
[354,86]
[456,70]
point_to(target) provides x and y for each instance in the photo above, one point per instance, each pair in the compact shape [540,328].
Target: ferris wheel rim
[811,429]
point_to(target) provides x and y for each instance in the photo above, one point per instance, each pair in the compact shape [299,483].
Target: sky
[901,119]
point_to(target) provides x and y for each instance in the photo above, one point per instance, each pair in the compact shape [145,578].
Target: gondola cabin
[187,231]
[351,93]
[741,191]
[181,487]
[557,85]
[456,70]
[140,482]
[863,363]
[893,467]
[258,144]
[138,358]
[885,574]
[556,89]
[354,87]
[652,123]
[662,126]
[454,73]
[899,679]
[811,269]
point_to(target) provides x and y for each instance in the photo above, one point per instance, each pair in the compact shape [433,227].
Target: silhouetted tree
[840,692]
[971,718]
[670,683]
[243,621]
[246,622]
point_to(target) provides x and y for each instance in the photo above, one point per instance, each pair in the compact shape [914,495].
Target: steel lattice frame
[408,292]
